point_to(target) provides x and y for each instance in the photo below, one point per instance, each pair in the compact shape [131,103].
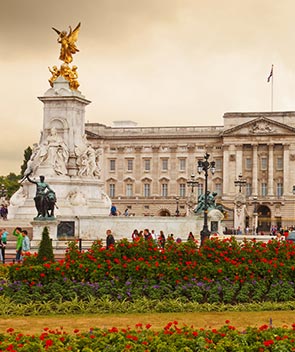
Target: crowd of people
[148,235]
[22,243]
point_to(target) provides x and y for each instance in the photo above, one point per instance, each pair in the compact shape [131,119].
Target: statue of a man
[42,189]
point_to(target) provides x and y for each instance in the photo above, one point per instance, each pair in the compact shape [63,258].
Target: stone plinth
[39,225]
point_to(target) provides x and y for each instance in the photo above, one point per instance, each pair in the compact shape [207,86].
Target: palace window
[129,190]
[112,165]
[279,163]
[248,164]
[147,164]
[279,189]
[129,164]
[248,189]
[264,163]
[182,189]
[164,164]
[112,190]
[146,190]
[218,164]
[264,189]
[200,189]
[164,189]
[218,189]
[182,164]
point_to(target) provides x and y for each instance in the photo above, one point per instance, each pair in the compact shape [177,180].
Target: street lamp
[205,165]
[177,209]
[255,214]
[240,183]
[192,183]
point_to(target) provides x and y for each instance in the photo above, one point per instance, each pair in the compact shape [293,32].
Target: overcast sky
[156,62]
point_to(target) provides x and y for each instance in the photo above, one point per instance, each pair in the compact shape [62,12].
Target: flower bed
[220,271]
[144,338]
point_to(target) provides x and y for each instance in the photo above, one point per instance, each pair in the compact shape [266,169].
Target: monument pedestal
[39,225]
[71,167]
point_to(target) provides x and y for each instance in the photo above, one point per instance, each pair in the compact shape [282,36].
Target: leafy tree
[10,183]
[27,155]
[45,252]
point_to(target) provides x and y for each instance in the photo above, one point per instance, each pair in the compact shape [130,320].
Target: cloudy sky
[156,62]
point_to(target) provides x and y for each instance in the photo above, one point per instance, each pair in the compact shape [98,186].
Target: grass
[240,320]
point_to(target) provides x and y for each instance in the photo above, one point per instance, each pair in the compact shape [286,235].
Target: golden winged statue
[68,43]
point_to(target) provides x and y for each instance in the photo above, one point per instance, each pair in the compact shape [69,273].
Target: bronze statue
[68,43]
[44,200]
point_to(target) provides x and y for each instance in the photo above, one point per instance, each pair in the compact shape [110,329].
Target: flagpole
[271,98]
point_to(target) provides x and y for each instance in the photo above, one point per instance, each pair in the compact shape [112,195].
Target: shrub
[45,252]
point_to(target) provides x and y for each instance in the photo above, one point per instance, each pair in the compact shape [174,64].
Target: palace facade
[147,169]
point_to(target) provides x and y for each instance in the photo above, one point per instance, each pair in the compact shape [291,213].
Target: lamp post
[255,215]
[240,182]
[177,209]
[192,183]
[240,204]
[3,191]
[205,165]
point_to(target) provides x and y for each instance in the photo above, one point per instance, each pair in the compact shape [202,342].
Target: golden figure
[70,74]
[68,43]
[55,73]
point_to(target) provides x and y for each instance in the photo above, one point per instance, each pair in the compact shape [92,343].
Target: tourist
[26,241]
[3,237]
[161,239]
[190,237]
[135,236]
[4,212]
[19,242]
[113,210]
[147,235]
[110,241]
[154,235]
[126,212]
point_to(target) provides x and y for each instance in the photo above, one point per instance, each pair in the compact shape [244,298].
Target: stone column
[156,189]
[174,170]
[239,161]
[286,177]
[255,171]
[225,190]
[270,170]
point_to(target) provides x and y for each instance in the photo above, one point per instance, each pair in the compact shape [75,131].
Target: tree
[27,156]
[45,252]
[10,183]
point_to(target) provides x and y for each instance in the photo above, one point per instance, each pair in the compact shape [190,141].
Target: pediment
[260,126]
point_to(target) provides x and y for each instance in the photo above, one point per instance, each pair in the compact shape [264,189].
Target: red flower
[48,343]
[268,343]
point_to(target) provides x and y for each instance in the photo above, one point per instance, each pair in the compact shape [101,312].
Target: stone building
[146,169]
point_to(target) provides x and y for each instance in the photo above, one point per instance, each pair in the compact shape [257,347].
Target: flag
[271,73]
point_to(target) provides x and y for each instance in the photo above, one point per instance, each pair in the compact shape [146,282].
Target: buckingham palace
[149,170]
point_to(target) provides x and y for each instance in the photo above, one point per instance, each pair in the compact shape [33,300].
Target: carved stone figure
[19,197]
[88,160]
[76,198]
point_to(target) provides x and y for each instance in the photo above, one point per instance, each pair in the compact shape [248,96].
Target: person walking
[19,242]
[161,239]
[110,241]
[26,242]
[3,237]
